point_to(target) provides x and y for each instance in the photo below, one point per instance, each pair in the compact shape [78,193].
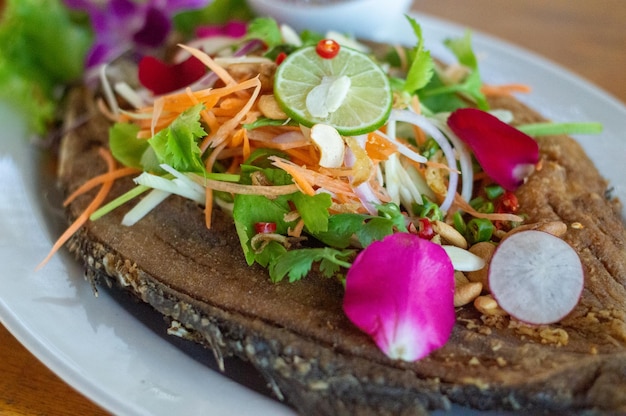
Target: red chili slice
[508,203]
[327,48]
[280,58]
[265,227]
[425,228]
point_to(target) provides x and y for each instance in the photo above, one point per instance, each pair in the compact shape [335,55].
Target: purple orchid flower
[400,291]
[120,25]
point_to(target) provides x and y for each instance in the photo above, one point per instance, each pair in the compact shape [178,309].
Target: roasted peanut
[484,250]
[487,305]
[449,234]
[269,107]
[459,278]
[465,293]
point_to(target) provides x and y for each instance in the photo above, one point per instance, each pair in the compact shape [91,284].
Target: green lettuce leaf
[125,146]
[439,97]
[43,48]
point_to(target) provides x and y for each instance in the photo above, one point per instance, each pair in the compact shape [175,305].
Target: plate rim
[22,327]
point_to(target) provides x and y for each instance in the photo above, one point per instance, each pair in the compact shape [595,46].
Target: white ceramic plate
[117,360]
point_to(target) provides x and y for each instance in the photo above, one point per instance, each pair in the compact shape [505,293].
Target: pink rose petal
[506,154]
[233,29]
[400,291]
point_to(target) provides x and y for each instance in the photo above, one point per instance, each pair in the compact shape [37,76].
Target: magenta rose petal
[233,29]
[506,154]
[400,291]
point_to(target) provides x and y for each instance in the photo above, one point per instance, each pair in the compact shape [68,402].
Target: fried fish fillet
[297,335]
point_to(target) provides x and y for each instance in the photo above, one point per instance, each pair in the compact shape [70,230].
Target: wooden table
[586,36]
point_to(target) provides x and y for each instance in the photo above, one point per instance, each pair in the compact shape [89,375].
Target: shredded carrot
[211,64]
[307,178]
[416,105]
[297,230]
[436,165]
[157,110]
[98,180]
[504,90]
[246,144]
[208,207]
[303,156]
[84,216]
[234,164]
[237,139]
[302,183]
[216,138]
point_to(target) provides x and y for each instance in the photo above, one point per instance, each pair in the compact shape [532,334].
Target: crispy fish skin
[298,336]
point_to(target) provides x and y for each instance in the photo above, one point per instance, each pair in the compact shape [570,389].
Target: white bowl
[370,19]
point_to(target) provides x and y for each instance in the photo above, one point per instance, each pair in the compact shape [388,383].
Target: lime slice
[350,91]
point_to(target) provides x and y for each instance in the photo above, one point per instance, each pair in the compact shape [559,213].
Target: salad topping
[311,137]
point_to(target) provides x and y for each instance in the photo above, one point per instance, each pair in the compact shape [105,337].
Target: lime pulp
[350,91]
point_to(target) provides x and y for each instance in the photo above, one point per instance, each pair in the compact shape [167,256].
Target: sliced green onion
[429,148]
[479,229]
[428,210]
[554,129]
[487,207]
[226,177]
[494,191]
[118,202]
[480,204]
[459,222]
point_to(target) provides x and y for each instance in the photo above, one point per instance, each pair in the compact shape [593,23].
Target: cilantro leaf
[341,229]
[422,66]
[296,264]
[344,228]
[375,229]
[462,49]
[272,251]
[313,210]
[441,97]
[177,144]
[393,213]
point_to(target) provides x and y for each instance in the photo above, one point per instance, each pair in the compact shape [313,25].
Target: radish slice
[536,277]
